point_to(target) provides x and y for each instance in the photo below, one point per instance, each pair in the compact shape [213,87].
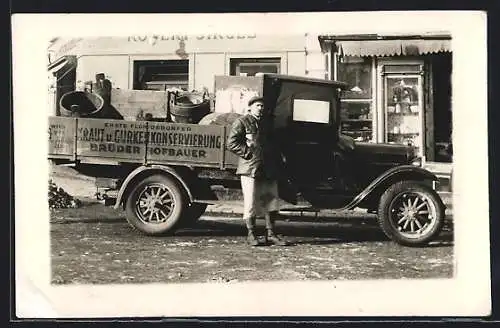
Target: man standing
[251,139]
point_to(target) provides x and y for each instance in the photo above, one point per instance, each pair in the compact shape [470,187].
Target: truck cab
[328,168]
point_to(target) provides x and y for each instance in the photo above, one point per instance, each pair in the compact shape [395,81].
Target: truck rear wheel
[156,205]
[410,213]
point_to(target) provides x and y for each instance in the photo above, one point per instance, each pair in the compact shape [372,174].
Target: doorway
[441,85]
[64,75]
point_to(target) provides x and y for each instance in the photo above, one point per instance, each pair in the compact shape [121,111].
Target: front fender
[391,176]
[145,171]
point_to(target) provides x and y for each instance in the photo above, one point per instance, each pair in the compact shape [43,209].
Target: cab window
[313,111]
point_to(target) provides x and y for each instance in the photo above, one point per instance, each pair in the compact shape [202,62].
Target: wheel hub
[412,214]
[409,213]
[155,204]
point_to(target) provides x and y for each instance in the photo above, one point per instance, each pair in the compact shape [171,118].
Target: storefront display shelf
[357,120]
[394,103]
[404,134]
[403,113]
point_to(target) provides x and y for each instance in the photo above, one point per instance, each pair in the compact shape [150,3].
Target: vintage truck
[164,174]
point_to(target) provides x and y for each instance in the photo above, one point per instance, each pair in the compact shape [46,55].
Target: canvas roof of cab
[338,84]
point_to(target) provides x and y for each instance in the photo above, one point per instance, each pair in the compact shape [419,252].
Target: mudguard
[398,173]
[147,171]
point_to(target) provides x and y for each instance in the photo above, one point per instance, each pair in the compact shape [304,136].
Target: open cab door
[306,113]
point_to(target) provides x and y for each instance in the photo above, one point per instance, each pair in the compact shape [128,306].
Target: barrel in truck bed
[106,141]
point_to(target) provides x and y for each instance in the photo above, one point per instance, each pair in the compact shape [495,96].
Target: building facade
[191,62]
[400,86]
[399,90]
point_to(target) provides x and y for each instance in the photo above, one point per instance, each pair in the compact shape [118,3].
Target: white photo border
[467,294]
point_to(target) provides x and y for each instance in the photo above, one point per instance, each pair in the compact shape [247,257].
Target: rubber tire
[384,217]
[173,222]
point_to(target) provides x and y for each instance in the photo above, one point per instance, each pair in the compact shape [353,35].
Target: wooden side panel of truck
[107,141]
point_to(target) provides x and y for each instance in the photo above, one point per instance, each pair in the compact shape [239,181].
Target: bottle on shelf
[397,108]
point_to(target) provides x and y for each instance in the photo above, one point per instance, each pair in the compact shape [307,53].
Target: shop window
[161,74]
[356,110]
[403,109]
[252,66]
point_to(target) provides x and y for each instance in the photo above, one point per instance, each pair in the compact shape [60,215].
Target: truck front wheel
[411,213]
[156,205]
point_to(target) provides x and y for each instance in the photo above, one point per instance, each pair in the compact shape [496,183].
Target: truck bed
[107,141]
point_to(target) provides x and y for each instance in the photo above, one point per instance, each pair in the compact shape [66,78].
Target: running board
[299,208]
[72,164]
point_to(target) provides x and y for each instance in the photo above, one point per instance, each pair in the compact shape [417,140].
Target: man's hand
[250,140]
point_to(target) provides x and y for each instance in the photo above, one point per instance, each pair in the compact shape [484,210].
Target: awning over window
[392,47]
[63,65]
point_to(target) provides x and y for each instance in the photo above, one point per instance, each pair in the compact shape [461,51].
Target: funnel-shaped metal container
[80,103]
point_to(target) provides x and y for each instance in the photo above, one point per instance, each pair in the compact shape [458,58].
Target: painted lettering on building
[153,39]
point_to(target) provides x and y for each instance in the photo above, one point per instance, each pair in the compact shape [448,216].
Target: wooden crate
[233,92]
[132,103]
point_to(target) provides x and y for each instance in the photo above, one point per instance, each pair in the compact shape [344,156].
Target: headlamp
[417,161]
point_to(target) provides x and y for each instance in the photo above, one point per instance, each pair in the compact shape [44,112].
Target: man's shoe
[252,240]
[275,240]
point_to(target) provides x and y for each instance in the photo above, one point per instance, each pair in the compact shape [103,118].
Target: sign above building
[153,39]
[184,45]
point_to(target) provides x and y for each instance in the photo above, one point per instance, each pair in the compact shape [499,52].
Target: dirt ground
[95,245]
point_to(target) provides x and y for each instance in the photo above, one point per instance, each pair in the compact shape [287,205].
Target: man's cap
[255,99]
